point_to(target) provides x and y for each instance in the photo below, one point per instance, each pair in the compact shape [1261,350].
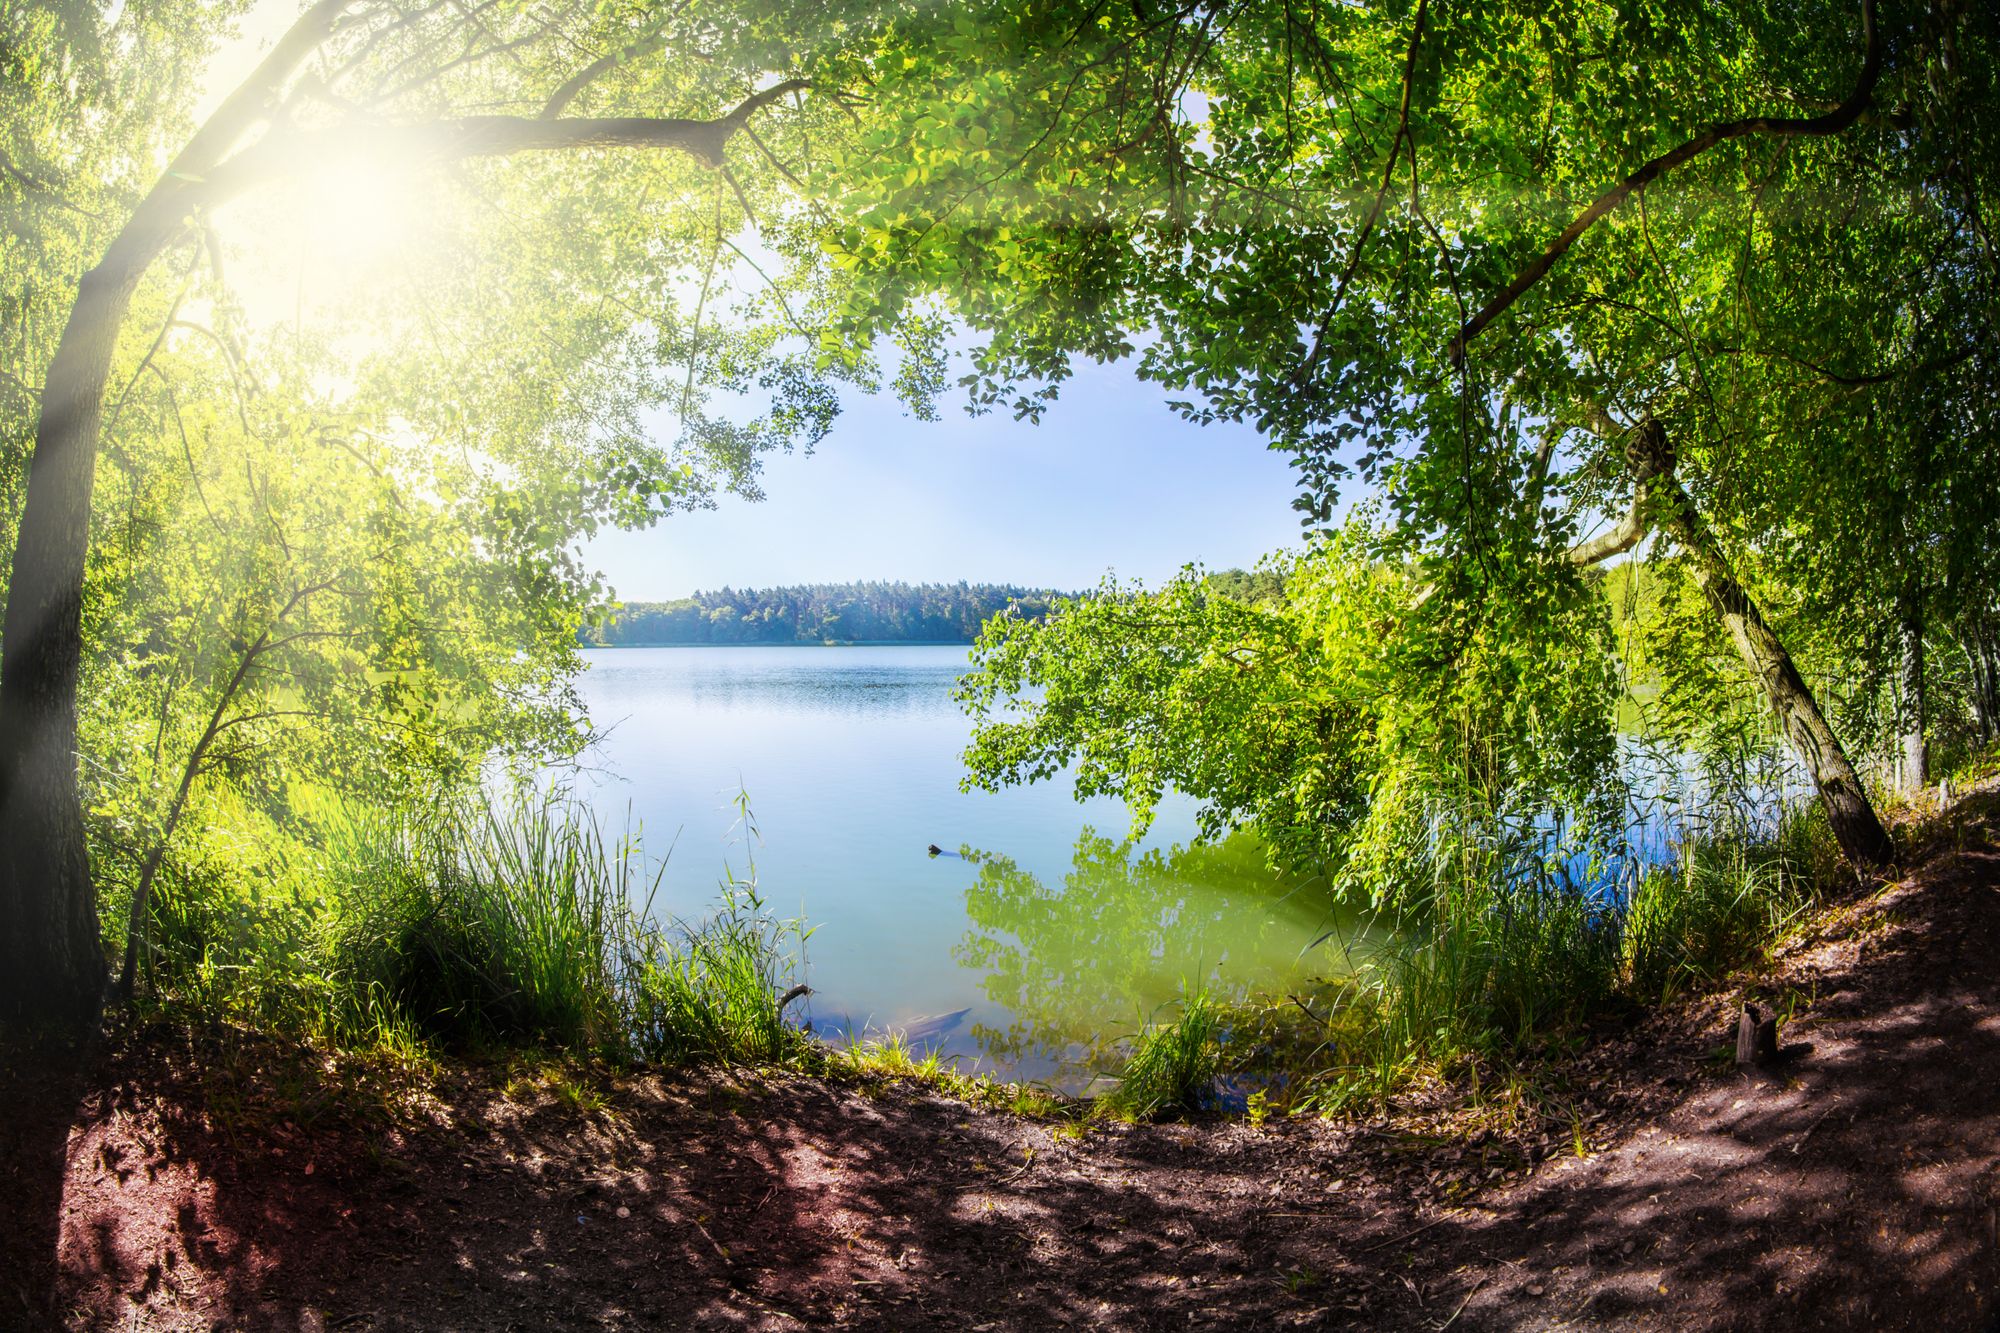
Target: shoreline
[212,1177]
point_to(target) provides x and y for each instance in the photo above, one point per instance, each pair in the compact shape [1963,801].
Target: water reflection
[852,682]
[1076,966]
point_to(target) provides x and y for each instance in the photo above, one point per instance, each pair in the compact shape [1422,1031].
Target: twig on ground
[1801,1142]
[1462,1304]
[1435,1221]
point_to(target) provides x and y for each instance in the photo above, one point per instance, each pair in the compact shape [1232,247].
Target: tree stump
[1756,1037]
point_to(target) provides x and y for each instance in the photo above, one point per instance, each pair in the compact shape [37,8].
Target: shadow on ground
[1854,1186]
[41,1080]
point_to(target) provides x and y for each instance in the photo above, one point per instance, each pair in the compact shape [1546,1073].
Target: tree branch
[1381,193]
[1650,456]
[574,85]
[1832,122]
[482,136]
[258,95]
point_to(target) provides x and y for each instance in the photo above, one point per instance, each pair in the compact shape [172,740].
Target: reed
[1173,1065]
[496,923]
[1504,957]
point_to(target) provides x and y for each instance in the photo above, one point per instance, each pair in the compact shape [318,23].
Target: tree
[1359,737]
[1479,256]
[423,89]
[81,122]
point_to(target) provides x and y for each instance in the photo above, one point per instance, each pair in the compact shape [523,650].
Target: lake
[1041,935]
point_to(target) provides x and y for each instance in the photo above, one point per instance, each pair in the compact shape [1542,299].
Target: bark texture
[51,967]
[1659,498]
[1856,827]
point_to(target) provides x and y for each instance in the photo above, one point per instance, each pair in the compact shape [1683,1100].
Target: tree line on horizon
[871,611]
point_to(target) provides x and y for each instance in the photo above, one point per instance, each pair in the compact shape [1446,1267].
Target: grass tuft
[481,926]
[1173,1065]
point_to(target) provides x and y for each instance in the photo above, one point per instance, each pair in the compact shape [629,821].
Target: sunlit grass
[891,1058]
[494,925]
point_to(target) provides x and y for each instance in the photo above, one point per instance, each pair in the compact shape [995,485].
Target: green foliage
[84,124]
[1725,899]
[466,925]
[822,612]
[1346,722]
[1296,213]
[1501,967]
[712,991]
[340,504]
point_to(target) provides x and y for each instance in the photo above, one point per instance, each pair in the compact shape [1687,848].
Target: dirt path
[1854,1187]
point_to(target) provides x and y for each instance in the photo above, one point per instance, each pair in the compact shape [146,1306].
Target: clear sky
[1111,480]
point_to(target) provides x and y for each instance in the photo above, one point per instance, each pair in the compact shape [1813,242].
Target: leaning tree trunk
[51,964]
[1659,497]
[1863,840]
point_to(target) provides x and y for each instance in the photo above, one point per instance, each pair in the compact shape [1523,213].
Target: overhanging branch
[1832,122]
[455,140]
[573,86]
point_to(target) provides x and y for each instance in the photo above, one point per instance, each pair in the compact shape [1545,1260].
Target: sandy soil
[209,1180]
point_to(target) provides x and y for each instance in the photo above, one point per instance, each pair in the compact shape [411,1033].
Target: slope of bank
[213,1179]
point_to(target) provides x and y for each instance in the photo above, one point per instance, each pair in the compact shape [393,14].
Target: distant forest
[821,612]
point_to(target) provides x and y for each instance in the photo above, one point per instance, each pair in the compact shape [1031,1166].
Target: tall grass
[1498,960]
[1719,907]
[517,924]
[1173,1065]
[483,924]
[713,991]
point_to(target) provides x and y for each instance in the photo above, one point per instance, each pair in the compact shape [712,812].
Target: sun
[313,243]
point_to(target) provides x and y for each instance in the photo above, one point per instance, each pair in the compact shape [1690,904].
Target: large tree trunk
[1863,840]
[51,964]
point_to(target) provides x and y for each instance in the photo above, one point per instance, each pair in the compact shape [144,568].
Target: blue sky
[1111,480]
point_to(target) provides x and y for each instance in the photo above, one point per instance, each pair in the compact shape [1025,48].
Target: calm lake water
[1049,934]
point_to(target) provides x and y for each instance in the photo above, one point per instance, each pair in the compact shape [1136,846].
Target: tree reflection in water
[1079,967]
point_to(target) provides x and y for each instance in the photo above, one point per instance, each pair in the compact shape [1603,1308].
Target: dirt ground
[176,1180]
